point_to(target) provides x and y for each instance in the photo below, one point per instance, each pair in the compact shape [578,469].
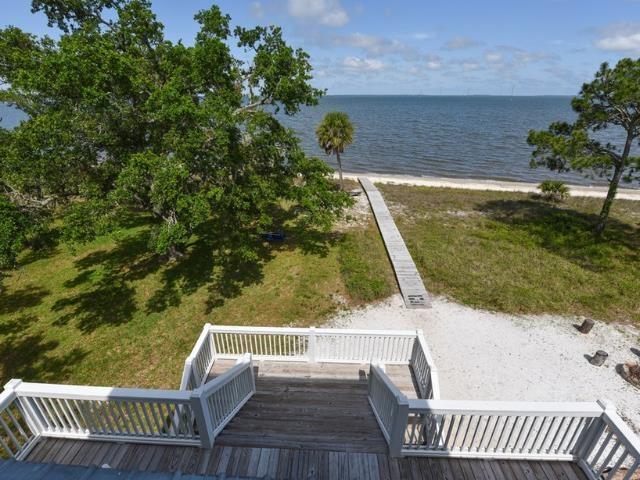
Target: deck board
[409,280]
[308,421]
[300,463]
[314,406]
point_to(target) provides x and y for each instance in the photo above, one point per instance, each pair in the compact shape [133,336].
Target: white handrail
[17,433]
[199,362]
[611,448]
[86,412]
[314,344]
[222,397]
[289,330]
[424,369]
[481,407]
[389,405]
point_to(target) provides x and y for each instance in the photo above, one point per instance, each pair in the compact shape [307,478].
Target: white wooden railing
[515,430]
[424,369]
[389,406]
[17,435]
[84,412]
[611,448]
[224,396]
[314,344]
[590,433]
[199,362]
[175,417]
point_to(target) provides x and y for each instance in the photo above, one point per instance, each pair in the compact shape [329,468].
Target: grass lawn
[112,314]
[516,253]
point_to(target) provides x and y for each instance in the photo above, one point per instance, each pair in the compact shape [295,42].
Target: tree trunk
[174,254]
[340,170]
[613,187]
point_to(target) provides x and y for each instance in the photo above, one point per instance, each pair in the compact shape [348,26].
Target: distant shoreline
[492,185]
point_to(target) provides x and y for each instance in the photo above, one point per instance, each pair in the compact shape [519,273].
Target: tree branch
[254,105]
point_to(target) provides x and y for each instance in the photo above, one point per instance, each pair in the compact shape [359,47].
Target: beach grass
[110,313]
[516,253]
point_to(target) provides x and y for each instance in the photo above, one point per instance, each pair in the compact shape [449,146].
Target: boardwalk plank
[409,280]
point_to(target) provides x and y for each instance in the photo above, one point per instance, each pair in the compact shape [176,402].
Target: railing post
[400,419]
[586,444]
[30,416]
[203,419]
[311,350]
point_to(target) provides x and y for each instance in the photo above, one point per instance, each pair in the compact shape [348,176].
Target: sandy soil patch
[484,355]
[356,216]
[494,185]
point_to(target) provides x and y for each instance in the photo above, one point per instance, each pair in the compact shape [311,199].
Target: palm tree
[334,133]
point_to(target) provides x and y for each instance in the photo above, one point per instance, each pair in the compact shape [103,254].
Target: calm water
[453,136]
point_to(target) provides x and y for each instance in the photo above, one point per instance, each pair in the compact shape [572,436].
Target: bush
[554,190]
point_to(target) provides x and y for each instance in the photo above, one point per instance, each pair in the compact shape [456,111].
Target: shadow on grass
[29,356]
[215,259]
[27,297]
[220,260]
[111,299]
[567,232]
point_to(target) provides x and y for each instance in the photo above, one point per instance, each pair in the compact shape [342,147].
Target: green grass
[516,253]
[110,313]
[364,266]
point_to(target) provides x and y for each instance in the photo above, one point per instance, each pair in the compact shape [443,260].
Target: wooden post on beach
[586,326]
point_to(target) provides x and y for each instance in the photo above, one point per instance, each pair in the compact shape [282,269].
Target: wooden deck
[316,406]
[306,421]
[276,463]
[409,280]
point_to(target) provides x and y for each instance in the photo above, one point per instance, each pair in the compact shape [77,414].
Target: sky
[444,47]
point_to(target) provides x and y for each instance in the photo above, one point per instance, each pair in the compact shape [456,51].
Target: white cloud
[459,43]
[329,13]
[493,57]
[620,37]
[256,9]
[434,62]
[422,35]
[363,64]
[371,44]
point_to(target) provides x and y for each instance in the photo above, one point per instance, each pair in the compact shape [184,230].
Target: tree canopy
[120,118]
[611,102]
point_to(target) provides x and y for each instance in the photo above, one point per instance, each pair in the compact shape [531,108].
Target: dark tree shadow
[567,232]
[226,260]
[30,358]
[30,296]
[111,299]
[217,259]
[43,245]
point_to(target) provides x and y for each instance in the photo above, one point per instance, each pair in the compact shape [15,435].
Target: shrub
[554,190]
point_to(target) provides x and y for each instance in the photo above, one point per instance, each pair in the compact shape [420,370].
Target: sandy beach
[482,355]
[493,185]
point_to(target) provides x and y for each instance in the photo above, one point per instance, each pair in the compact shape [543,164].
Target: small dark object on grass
[586,326]
[278,236]
[630,371]
[356,192]
[599,358]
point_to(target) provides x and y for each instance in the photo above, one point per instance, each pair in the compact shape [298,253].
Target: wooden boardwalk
[409,280]
[294,464]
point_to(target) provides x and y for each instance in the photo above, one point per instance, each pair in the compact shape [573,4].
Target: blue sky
[524,47]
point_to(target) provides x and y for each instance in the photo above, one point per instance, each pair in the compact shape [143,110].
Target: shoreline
[491,185]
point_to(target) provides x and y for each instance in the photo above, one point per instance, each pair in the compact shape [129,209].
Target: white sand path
[484,355]
[493,185]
